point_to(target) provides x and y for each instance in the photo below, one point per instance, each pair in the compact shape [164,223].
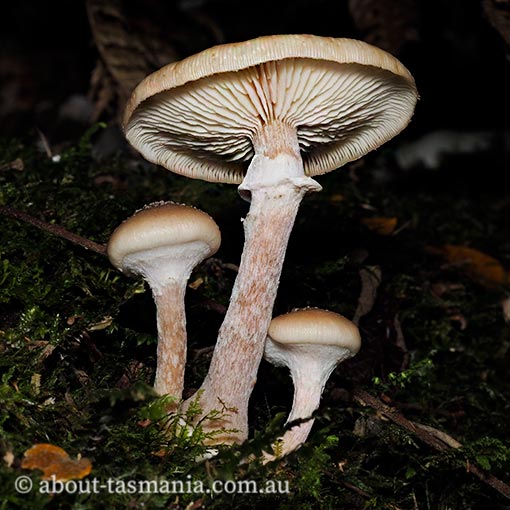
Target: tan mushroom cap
[315,326]
[198,117]
[161,225]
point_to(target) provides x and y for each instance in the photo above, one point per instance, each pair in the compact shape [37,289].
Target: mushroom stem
[168,278]
[171,352]
[275,183]
[308,390]
[307,396]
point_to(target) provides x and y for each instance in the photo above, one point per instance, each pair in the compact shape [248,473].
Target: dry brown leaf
[121,51]
[370,280]
[196,283]
[125,58]
[54,461]
[195,505]
[337,197]
[498,14]
[16,164]
[102,90]
[438,289]
[505,306]
[381,225]
[478,265]
[8,458]
[460,319]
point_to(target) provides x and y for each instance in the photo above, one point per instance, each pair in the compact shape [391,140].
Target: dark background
[48,53]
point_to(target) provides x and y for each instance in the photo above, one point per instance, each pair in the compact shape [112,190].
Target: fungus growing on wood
[267,114]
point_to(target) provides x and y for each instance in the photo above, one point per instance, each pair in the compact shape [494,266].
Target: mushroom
[164,242]
[311,342]
[267,114]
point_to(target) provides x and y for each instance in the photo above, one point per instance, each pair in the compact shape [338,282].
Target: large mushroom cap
[161,225]
[315,326]
[198,117]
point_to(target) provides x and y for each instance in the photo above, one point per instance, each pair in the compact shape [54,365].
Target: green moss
[77,343]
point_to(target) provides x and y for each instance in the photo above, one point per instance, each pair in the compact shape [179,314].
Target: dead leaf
[498,14]
[381,225]
[195,505]
[370,280]
[121,51]
[102,324]
[82,376]
[476,264]
[458,317]
[71,320]
[400,343]
[16,164]
[8,458]
[54,461]
[505,306]
[336,198]
[196,283]
[439,289]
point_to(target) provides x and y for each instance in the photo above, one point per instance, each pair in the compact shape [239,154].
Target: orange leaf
[55,461]
[478,265]
[337,197]
[382,226]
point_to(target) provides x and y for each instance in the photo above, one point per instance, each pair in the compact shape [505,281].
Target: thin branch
[430,436]
[442,436]
[53,229]
[392,414]
[356,490]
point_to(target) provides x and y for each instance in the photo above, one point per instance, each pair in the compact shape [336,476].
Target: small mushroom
[267,114]
[164,242]
[311,342]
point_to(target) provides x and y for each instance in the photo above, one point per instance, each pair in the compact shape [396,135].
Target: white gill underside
[347,109]
[165,264]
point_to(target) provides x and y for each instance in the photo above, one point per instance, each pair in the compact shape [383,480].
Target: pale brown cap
[315,326]
[160,225]
[198,117]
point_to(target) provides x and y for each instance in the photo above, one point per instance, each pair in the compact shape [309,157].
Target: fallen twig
[53,229]
[434,438]
[442,436]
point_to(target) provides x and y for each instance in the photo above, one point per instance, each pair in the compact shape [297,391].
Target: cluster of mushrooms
[267,114]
